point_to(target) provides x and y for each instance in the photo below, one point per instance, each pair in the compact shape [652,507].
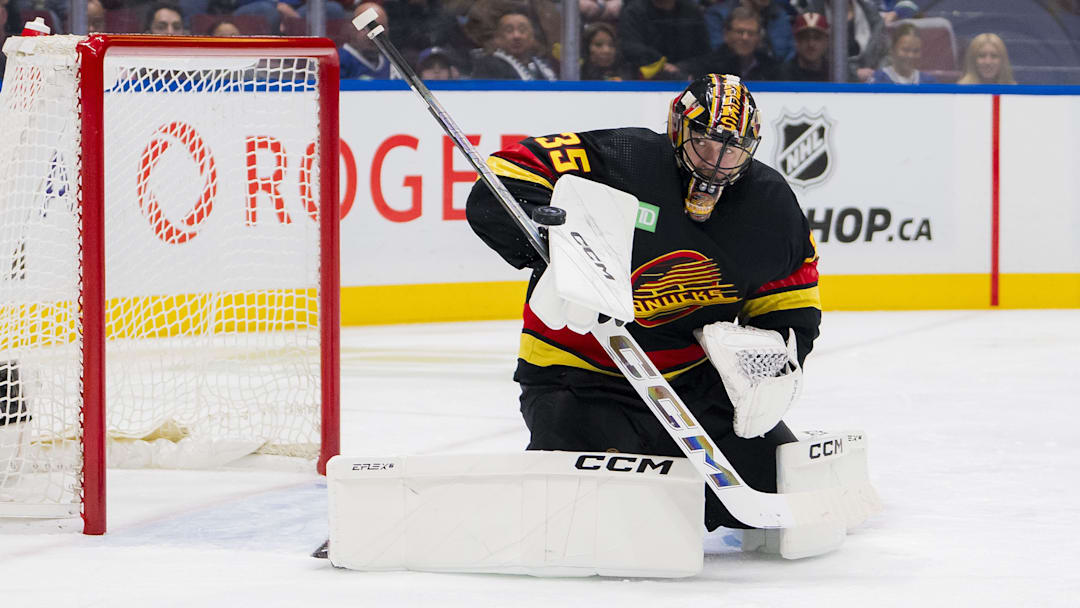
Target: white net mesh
[211,272]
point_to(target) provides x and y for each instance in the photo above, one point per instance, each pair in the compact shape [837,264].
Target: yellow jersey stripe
[505,168]
[809,297]
[537,352]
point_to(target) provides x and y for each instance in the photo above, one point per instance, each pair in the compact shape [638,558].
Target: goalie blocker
[569,513]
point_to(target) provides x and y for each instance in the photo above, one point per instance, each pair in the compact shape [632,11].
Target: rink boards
[952,198]
[900,190]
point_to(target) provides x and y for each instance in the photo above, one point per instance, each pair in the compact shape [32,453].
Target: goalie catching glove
[760,372]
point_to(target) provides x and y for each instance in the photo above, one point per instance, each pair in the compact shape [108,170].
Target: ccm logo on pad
[622,464]
[826,448]
[592,255]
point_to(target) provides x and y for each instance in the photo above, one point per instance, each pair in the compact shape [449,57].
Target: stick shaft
[460,141]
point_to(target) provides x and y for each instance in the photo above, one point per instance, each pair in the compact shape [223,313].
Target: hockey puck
[549,216]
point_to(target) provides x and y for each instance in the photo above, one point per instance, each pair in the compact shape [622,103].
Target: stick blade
[323,552]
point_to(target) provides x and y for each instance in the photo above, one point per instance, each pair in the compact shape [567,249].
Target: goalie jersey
[754,259]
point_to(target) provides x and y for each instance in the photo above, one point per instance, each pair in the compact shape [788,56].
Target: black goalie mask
[715,129]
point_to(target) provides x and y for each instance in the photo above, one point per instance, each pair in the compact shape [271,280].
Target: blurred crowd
[888,41]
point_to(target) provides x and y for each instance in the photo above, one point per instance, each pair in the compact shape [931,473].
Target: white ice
[971,418]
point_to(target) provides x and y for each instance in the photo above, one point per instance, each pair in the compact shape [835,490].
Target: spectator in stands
[658,36]
[776,15]
[868,44]
[482,19]
[600,10]
[513,51]
[741,53]
[601,52]
[904,55]
[224,28]
[334,10]
[437,63]
[56,18]
[165,18]
[95,16]
[987,61]
[894,10]
[422,24]
[273,12]
[359,57]
[810,62]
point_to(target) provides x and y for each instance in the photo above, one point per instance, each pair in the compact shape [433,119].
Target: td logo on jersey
[804,154]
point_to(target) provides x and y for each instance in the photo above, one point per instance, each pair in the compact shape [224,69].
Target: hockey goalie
[703,254]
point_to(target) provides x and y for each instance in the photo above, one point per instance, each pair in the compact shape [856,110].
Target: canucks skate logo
[804,155]
[676,284]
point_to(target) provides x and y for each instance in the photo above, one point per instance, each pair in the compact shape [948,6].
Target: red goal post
[170,285]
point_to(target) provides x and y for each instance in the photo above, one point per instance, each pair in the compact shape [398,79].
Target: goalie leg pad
[820,460]
[537,513]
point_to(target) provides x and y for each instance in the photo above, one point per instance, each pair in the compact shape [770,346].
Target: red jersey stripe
[524,157]
[807,274]
[586,347]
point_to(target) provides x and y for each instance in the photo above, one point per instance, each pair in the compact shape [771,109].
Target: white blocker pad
[536,513]
[820,460]
[589,268]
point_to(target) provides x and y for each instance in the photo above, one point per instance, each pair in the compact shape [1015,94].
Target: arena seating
[1042,36]
[940,55]
[249,25]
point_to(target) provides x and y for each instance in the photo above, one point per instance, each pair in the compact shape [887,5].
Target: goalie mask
[715,129]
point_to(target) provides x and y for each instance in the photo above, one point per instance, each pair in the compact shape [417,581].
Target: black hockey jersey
[753,259]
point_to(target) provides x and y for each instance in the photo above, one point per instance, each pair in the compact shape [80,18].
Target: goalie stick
[753,508]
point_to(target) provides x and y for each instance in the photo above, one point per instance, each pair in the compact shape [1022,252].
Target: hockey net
[168,285]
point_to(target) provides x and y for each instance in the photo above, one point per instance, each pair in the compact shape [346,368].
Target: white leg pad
[536,513]
[820,460]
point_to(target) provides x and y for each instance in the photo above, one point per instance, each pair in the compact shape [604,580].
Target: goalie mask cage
[168,271]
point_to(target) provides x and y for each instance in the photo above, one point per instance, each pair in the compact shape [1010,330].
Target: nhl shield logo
[804,155]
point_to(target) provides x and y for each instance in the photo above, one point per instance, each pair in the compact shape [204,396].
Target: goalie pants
[590,412]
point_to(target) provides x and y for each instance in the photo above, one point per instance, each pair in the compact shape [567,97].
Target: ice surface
[971,418]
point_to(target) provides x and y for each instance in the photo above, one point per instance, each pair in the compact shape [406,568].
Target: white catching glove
[760,372]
